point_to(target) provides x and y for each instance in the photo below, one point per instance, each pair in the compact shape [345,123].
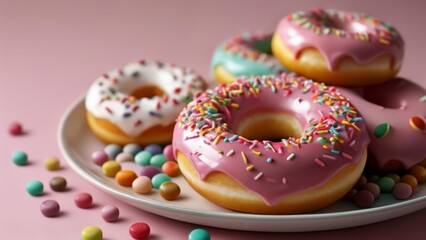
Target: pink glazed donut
[271,145]
[338,47]
[395,113]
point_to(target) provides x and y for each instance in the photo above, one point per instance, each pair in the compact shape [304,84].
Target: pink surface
[51,52]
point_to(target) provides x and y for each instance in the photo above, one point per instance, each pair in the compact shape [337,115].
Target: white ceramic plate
[77,143]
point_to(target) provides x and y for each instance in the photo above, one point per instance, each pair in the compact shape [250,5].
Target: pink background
[50,53]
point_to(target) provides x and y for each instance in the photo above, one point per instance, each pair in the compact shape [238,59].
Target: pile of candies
[158,168]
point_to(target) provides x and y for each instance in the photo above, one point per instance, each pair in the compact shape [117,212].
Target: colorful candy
[169,190]
[158,179]
[402,191]
[125,177]
[50,208]
[58,184]
[149,171]
[15,128]
[111,168]
[143,158]
[52,163]
[83,200]
[124,157]
[386,184]
[35,188]
[171,168]
[364,199]
[20,158]
[158,160]
[199,234]
[112,150]
[139,230]
[110,213]
[91,233]
[154,149]
[132,148]
[168,152]
[99,157]
[142,185]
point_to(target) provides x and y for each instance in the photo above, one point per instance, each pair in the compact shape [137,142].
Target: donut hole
[272,126]
[147,92]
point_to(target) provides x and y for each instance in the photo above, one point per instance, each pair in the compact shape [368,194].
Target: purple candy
[154,149]
[99,157]
[110,213]
[364,199]
[402,191]
[149,171]
[50,208]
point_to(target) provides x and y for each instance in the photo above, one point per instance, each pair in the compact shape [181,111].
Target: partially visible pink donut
[395,113]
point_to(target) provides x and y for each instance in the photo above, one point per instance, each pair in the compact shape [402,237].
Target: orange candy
[125,177]
[171,168]
[419,172]
[409,179]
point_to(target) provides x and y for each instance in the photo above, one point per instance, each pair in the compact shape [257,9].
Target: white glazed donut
[140,102]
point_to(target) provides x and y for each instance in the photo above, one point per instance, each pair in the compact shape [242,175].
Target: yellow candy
[91,233]
[52,163]
[111,168]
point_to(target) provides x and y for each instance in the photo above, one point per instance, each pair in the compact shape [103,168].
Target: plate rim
[204,213]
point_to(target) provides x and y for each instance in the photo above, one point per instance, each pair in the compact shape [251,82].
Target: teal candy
[20,158]
[158,179]
[386,184]
[238,65]
[35,188]
[199,234]
[143,158]
[158,160]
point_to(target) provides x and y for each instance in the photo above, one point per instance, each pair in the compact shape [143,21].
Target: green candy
[158,160]
[35,188]
[386,184]
[199,234]
[20,158]
[382,130]
[158,179]
[143,158]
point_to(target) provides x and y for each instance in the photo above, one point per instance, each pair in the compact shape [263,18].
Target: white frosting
[109,96]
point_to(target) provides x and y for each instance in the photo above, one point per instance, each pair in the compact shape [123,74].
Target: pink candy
[168,152]
[110,213]
[99,157]
[83,200]
[50,208]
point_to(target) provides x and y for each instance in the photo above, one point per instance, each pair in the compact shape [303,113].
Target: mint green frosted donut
[246,55]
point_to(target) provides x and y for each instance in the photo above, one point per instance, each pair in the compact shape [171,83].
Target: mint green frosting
[239,65]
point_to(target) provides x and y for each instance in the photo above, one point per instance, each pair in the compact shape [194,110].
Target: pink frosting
[343,34]
[393,102]
[204,133]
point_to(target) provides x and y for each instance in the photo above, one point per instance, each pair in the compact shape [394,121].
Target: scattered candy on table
[83,200]
[15,129]
[139,230]
[35,188]
[110,213]
[52,163]
[199,234]
[58,184]
[50,208]
[20,158]
[91,233]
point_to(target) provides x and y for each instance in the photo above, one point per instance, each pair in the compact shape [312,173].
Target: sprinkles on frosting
[212,109]
[321,21]
[244,46]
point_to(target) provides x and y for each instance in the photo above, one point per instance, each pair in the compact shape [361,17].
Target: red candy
[139,231]
[15,129]
[83,200]
[364,199]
